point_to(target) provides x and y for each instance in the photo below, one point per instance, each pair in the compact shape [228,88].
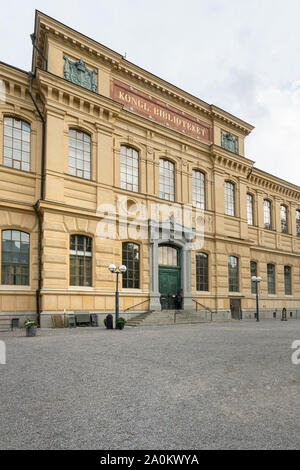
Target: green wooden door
[169,280]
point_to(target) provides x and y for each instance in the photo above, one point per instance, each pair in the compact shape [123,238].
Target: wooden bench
[83,319]
[9,323]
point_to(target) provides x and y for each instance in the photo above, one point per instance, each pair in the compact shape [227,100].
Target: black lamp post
[122,270]
[257,280]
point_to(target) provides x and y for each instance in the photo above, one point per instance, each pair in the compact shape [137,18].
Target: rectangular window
[79,154]
[131,259]
[250,209]
[267,215]
[233,274]
[16,149]
[198,189]
[15,258]
[253,269]
[298,223]
[271,278]
[129,169]
[201,272]
[166,180]
[288,280]
[80,260]
[229,198]
[283,217]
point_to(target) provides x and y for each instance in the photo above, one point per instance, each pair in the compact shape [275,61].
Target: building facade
[102,162]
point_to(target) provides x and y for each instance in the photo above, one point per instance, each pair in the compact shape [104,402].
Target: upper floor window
[166,180]
[131,259]
[202,271]
[129,169]
[15,258]
[271,278]
[298,223]
[283,218]
[198,189]
[267,215]
[253,270]
[229,198]
[250,209]
[79,154]
[288,280]
[16,150]
[80,260]
[233,274]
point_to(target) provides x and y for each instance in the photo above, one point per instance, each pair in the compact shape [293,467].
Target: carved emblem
[78,73]
[228,142]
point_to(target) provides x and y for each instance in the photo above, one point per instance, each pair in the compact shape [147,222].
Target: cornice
[268,182]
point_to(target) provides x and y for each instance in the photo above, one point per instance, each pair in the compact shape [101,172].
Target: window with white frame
[283,218]
[250,209]
[166,180]
[267,215]
[129,169]
[16,144]
[229,198]
[79,154]
[298,223]
[198,189]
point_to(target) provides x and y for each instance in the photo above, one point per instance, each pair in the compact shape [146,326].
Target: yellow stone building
[102,162]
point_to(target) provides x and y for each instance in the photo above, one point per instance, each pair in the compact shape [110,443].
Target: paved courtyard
[204,386]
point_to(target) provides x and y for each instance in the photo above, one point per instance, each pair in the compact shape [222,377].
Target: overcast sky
[241,55]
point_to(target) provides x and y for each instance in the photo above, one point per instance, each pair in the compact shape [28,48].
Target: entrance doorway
[236,309]
[169,271]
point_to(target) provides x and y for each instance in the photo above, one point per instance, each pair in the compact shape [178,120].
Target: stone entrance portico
[175,234]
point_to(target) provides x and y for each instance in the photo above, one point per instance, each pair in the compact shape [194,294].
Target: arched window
[166,180]
[250,209]
[267,215]
[298,223]
[198,189]
[79,154]
[271,278]
[15,258]
[80,260]
[129,169]
[283,218]
[202,271]
[233,274]
[229,198]
[253,270]
[131,259]
[16,148]
[288,280]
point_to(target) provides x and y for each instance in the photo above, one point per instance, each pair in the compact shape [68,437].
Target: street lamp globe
[259,279]
[112,268]
[253,278]
[122,269]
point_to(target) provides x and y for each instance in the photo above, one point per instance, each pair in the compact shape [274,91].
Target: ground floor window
[80,260]
[288,280]
[202,272]
[233,274]
[271,278]
[15,258]
[131,259]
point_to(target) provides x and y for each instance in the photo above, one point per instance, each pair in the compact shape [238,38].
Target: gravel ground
[205,386]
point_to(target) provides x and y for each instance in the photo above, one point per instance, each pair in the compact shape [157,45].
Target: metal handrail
[136,305]
[204,307]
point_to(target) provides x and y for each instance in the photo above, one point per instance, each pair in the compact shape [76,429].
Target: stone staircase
[170,317]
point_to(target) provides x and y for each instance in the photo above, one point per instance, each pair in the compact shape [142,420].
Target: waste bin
[109,321]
